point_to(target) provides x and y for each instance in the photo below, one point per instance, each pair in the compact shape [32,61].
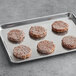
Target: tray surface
[46,22]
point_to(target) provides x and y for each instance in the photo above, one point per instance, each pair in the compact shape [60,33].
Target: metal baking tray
[46,22]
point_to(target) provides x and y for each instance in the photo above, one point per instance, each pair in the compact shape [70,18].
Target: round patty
[22,52]
[45,47]
[16,35]
[37,32]
[59,26]
[69,42]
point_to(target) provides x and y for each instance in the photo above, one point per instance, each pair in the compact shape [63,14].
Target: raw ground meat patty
[16,35]
[59,26]
[22,52]
[69,42]
[45,47]
[37,32]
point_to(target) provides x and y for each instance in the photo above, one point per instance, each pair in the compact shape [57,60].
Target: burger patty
[37,32]
[22,52]
[59,26]
[45,47]
[69,42]
[16,35]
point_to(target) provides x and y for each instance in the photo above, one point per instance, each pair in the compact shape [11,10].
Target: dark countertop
[16,10]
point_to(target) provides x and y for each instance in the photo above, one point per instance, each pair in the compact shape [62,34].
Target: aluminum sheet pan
[46,22]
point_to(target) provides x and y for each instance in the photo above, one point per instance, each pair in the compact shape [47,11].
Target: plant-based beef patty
[69,42]
[16,35]
[37,32]
[59,26]
[22,52]
[45,47]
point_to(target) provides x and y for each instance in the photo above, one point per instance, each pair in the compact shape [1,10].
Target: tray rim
[30,19]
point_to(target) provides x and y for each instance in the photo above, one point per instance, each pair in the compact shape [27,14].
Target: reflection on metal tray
[46,22]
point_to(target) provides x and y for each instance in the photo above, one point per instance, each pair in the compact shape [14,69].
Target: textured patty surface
[45,47]
[37,32]
[16,35]
[69,42]
[22,52]
[59,26]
